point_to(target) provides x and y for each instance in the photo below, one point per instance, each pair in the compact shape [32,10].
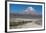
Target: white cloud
[30,10]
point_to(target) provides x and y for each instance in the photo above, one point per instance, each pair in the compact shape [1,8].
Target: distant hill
[13,15]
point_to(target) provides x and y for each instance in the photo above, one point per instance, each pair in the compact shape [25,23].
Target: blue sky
[17,8]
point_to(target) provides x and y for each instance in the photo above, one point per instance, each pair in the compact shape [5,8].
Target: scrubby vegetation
[18,23]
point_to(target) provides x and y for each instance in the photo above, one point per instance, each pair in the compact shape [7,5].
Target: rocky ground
[33,24]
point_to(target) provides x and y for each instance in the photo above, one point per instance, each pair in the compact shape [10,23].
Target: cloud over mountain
[30,10]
